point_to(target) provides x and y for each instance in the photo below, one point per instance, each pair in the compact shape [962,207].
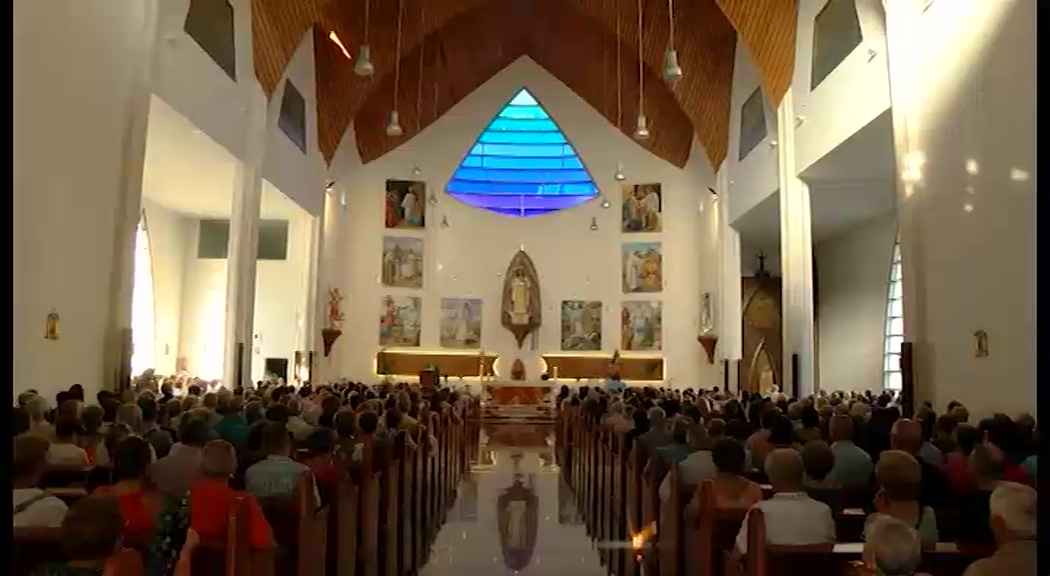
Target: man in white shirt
[792,517]
[31,505]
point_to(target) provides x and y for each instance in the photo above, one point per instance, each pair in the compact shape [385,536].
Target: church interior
[524,287]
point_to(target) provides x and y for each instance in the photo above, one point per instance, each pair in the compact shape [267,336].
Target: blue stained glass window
[522,165]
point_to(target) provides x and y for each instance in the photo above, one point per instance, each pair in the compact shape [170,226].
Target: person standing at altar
[613,384]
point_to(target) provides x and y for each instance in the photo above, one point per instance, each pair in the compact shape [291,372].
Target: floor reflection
[513,513]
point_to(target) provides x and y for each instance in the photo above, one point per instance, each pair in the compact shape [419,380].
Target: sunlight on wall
[143,314]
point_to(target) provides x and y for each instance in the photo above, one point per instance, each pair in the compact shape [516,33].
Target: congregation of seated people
[172,466]
[919,481]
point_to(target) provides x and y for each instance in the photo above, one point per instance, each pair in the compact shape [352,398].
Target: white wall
[754,178]
[170,235]
[853,95]
[468,258]
[188,79]
[203,330]
[853,271]
[964,107]
[74,67]
[297,174]
[281,290]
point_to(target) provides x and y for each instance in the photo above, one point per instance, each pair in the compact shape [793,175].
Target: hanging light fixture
[594,223]
[672,71]
[364,67]
[393,128]
[605,202]
[618,175]
[641,130]
[416,170]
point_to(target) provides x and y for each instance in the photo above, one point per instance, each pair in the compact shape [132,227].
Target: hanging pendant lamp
[416,171]
[393,128]
[363,67]
[618,175]
[672,71]
[594,223]
[641,129]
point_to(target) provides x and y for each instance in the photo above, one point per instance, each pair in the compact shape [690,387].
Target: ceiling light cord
[670,24]
[422,53]
[619,72]
[641,62]
[368,14]
[397,50]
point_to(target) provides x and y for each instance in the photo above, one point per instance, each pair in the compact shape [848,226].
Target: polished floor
[513,513]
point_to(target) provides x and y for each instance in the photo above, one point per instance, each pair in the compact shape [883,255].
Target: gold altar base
[527,401]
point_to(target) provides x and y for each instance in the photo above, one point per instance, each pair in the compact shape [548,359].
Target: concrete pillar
[796,256]
[730,290]
[244,236]
[963,89]
[81,99]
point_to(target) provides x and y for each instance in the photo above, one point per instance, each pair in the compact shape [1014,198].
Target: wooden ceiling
[469,41]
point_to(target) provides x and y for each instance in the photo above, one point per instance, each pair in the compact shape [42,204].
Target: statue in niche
[519,298]
[520,310]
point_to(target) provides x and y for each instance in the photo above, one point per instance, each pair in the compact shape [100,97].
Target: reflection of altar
[518,399]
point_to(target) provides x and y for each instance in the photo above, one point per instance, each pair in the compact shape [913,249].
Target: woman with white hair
[892,548]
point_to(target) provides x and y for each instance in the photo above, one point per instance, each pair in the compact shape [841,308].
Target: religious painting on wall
[403,262]
[581,325]
[642,267]
[641,326]
[399,321]
[460,322]
[642,208]
[406,203]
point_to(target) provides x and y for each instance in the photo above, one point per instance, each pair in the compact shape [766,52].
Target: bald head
[784,469]
[840,428]
[898,475]
[218,460]
[906,435]
[30,456]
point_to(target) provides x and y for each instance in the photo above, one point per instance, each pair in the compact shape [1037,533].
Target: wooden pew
[300,526]
[57,476]
[669,534]
[633,507]
[368,526]
[710,533]
[389,502]
[763,559]
[68,495]
[343,520]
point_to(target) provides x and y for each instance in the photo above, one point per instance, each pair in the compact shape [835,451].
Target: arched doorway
[143,313]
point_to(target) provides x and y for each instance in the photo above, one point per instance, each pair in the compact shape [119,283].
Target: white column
[796,256]
[244,236]
[730,290]
[117,362]
[963,87]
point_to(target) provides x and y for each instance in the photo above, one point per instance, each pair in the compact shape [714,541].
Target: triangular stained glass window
[522,165]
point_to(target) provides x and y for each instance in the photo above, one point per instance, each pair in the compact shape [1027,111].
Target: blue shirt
[852,464]
[614,385]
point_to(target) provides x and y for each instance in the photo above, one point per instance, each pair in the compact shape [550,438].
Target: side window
[891,371]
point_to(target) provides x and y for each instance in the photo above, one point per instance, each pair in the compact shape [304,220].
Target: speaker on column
[796,371]
[907,380]
[238,367]
[725,375]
